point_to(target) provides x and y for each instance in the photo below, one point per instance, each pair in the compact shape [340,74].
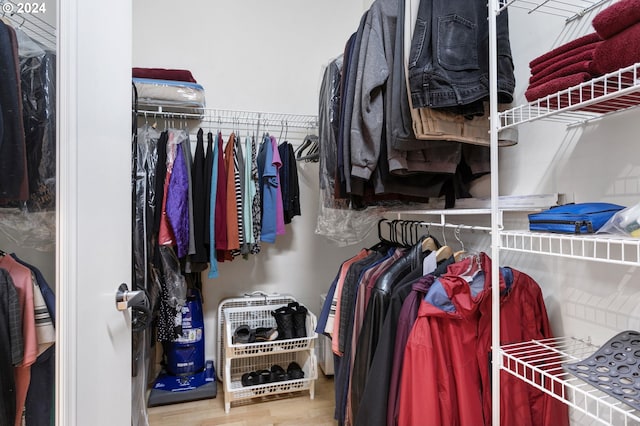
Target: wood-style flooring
[295,410]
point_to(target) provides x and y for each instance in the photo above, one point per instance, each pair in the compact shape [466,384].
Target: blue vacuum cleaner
[186,376]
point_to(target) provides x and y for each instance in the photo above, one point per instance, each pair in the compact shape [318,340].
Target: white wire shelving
[295,127]
[610,93]
[569,9]
[234,117]
[600,248]
[540,364]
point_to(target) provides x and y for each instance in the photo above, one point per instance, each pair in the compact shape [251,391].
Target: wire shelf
[540,364]
[232,117]
[568,9]
[601,248]
[613,92]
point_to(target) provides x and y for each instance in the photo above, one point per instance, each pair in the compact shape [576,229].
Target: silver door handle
[126,299]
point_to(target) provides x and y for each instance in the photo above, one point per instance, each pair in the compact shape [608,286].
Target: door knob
[138,302]
[126,299]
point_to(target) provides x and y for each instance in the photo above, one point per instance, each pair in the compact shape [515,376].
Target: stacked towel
[614,45]
[567,47]
[616,18]
[568,66]
[562,57]
[556,85]
[565,66]
[620,23]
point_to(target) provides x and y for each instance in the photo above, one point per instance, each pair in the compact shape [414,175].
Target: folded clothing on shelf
[164,74]
[616,18]
[169,94]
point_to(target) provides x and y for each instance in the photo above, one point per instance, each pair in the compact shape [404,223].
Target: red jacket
[446,373]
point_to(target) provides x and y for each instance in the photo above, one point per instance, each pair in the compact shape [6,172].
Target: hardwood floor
[294,410]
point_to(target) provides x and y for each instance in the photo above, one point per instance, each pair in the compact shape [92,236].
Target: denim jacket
[449,59]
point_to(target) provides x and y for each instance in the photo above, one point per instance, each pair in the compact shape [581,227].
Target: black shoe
[244,334]
[299,320]
[294,371]
[264,376]
[278,374]
[284,320]
[249,379]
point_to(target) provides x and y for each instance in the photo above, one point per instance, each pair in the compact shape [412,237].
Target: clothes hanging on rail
[21,277]
[11,351]
[408,361]
[221,202]
[38,88]
[208,206]
[380,157]
[200,191]
[254,194]
[269,164]
[41,394]
[28,330]
[27,122]
[289,182]
[233,202]
[13,161]
[454,316]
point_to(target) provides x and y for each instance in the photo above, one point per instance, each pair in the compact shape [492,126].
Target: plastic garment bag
[38,92]
[337,220]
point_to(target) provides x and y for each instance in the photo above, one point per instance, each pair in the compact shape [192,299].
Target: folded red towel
[583,66]
[619,51]
[575,53]
[573,44]
[566,63]
[556,85]
[617,17]
[164,74]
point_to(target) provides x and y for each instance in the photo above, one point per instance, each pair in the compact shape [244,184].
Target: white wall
[257,56]
[249,55]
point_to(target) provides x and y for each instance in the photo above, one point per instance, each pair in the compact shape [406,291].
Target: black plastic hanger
[310,144]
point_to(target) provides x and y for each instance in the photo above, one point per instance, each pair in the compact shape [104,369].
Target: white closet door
[93,381]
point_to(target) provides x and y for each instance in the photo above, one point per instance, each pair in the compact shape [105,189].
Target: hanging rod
[472,228]
[441,224]
[236,117]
